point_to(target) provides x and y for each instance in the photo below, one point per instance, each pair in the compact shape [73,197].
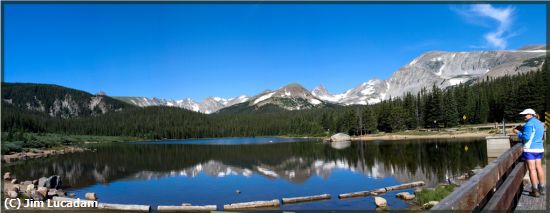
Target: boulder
[380,202]
[35,182]
[30,187]
[16,188]
[35,195]
[409,197]
[338,137]
[42,181]
[14,181]
[7,176]
[52,193]
[13,194]
[53,182]
[27,182]
[430,204]
[405,196]
[91,196]
[61,193]
[43,191]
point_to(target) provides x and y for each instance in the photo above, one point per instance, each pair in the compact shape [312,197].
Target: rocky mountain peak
[291,97]
[320,91]
[293,90]
[533,47]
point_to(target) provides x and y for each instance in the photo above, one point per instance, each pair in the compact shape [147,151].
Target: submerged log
[381,190]
[405,186]
[362,193]
[127,207]
[306,198]
[187,208]
[253,204]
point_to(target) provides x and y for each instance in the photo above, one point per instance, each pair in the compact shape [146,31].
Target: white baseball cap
[528,112]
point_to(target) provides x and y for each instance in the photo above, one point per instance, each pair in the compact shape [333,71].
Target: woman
[533,150]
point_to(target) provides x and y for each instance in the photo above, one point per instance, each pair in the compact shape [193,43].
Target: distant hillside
[58,101]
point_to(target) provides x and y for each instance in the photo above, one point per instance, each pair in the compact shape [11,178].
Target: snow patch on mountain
[366,93]
[207,106]
[263,98]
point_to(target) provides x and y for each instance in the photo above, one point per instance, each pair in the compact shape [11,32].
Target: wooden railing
[497,187]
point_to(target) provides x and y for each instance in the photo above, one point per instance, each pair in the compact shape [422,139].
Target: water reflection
[340,144]
[293,162]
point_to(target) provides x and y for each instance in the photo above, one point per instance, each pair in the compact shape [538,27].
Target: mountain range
[443,69]
[439,68]
[207,106]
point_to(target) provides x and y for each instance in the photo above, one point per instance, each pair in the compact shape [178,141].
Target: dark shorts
[532,155]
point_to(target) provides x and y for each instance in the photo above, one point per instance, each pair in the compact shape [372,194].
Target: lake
[210,171]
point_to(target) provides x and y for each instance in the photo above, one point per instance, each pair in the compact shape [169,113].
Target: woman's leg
[531,165]
[540,174]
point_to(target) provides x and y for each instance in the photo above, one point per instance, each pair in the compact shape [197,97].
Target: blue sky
[177,51]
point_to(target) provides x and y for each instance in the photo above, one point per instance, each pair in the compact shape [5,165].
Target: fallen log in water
[362,193]
[127,207]
[306,198]
[405,186]
[187,208]
[254,204]
[381,190]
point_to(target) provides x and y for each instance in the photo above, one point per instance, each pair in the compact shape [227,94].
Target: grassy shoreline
[14,143]
[28,142]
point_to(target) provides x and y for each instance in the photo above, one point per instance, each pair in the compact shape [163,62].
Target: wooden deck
[527,202]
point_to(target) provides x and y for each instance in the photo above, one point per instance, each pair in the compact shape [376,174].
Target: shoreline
[407,135]
[404,136]
[42,153]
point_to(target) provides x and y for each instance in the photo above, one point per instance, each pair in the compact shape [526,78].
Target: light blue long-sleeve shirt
[532,134]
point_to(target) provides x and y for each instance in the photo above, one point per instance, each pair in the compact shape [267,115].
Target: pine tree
[451,115]
[410,105]
[369,120]
[434,108]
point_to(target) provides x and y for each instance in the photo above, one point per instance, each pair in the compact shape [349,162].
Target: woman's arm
[526,133]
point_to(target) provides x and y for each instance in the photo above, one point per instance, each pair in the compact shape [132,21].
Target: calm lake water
[209,171]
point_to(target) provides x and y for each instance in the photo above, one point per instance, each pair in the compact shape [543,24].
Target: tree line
[488,100]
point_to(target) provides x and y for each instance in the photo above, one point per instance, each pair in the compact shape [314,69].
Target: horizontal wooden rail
[474,194]
[508,193]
